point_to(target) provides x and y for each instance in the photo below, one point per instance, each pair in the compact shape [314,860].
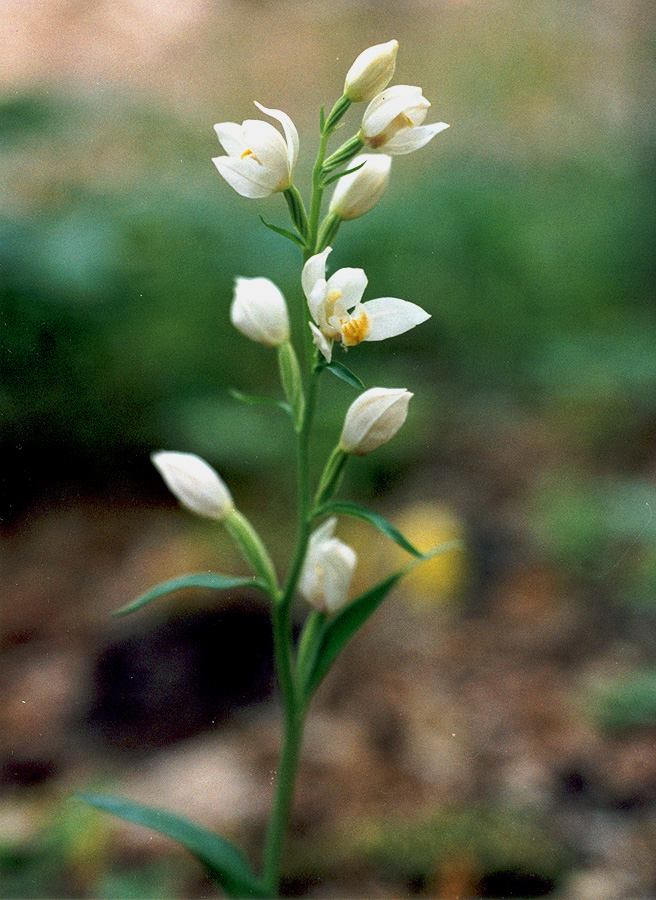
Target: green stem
[289,756]
[293,705]
[317,174]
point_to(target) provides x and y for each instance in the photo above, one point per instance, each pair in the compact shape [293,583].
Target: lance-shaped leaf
[255,400]
[338,631]
[343,372]
[284,232]
[225,862]
[327,637]
[207,580]
[378,521]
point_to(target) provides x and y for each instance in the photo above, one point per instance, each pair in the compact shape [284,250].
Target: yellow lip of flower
[355,328]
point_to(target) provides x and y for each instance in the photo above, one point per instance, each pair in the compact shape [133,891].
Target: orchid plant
[260,161]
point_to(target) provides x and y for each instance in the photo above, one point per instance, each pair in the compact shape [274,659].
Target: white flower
[355,194]
[392,121]
[195,483]
[325,579]
[340,316]
[373,419]
[371,72]
[259,311]
[259,161]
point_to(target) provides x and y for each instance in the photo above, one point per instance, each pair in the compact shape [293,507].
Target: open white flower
[373,418]
[356,193]
[371,72]
[259,161]
[340,316]
[195,483]
[393,121]
[259,311]
[325,579]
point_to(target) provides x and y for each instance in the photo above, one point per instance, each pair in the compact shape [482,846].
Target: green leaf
[308,645]
[339,369]
[253,400]
[361,512]
[338,631]
[207,580]
[225,862]
[285,233]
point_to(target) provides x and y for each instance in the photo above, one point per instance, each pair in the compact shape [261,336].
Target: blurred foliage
[628,704]
[423,852]
[601,529]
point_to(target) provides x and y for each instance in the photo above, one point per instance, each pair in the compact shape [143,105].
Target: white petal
[321,341]
[262,138]
[307,578]
[410,139]
[231,137]
[246,177]
[314,270]
[350,283]
[291,134]
[338,563]
[389,316]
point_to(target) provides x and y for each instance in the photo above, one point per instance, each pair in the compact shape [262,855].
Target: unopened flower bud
[371,72]
[195,483]
[358,192]
[259,311]
[373,419]
[325,579]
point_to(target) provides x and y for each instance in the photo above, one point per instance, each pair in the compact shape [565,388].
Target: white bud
[325,579]
[357,193]
[373,419]
[371,72]
[259,311]
[195,483]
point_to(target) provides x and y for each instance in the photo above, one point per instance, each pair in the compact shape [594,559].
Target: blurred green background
[527,230]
